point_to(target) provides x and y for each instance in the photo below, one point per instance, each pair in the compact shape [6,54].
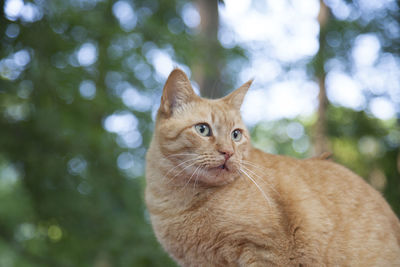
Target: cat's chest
[217,230]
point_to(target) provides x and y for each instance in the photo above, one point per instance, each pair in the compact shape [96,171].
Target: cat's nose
[227,153]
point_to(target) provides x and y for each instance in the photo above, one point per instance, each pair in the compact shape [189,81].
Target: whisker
[190,178]
[259,188]
[261,178]
[180,164]
[197,178]
[183,162]
[242,163]
[247,180]
[189,165]
[253,165]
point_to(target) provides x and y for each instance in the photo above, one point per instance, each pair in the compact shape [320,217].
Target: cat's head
[204,139]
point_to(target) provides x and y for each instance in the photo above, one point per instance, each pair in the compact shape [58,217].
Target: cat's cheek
[194,140]
[244,149]
[182,144]
[232,164]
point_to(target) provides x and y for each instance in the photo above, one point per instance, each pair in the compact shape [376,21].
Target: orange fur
[254,208]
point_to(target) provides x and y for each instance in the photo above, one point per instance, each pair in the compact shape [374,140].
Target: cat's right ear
[177,91]
[235,98]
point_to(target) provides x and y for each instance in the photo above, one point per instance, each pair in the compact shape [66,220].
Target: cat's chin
[217,176]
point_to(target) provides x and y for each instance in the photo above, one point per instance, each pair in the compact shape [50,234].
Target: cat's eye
[203,129]
[236,135]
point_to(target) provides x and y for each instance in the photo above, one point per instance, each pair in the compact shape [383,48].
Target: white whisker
[188,181]
[189,165]
[259,188]
[263,180]
[242,163]
[193,160]
[197,178]
[253,165]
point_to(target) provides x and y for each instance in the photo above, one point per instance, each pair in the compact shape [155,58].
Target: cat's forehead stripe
[222,116]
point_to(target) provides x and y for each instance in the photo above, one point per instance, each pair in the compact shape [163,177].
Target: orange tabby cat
[214,200]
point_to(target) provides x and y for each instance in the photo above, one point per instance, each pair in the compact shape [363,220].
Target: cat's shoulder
[321,163]
[276,158]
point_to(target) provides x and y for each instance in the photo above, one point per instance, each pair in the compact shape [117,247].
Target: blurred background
[81,80]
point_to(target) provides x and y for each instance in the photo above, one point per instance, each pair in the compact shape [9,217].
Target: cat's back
[320,178]
[328,203]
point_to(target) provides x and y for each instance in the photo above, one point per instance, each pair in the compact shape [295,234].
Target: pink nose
[227,154]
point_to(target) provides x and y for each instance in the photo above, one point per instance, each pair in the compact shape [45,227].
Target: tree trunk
[207,68]
[320,138]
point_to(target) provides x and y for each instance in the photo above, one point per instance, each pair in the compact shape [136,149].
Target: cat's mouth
[219,174]
[223,167]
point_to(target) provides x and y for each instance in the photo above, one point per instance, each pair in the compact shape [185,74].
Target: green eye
[236,135]
[203,129]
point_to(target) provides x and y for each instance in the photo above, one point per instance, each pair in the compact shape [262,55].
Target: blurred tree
[319,133]
[207,71]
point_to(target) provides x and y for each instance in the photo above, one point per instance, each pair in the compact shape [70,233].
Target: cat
[214,200]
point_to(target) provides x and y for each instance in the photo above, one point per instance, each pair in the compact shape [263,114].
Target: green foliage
[286,137]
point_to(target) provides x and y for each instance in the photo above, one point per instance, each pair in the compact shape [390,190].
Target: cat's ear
[236,97]
[177,91]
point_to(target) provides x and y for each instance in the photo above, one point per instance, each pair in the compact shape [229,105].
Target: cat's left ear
[177,92]
[236,97]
